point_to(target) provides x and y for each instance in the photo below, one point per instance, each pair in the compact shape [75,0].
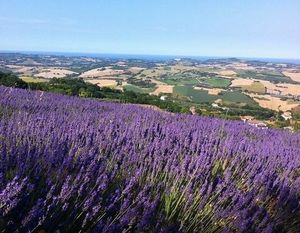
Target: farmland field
[33,79]
[274,78]
[135,88]
[191,79]
[79,165]
[217,82]
[54,73]
[198,96]
[202,96]
[256,87]
[103,82]
[179,80]
[185,80]
[274,103]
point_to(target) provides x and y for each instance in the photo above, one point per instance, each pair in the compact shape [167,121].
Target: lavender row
[77,165]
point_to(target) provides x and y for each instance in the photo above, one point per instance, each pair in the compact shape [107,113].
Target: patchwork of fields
[227,81]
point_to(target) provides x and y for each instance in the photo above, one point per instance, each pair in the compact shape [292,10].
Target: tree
[11,80]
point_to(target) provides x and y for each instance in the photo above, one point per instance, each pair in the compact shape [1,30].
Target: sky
[226,28]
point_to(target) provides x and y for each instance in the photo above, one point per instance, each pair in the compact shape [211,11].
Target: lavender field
[77,165]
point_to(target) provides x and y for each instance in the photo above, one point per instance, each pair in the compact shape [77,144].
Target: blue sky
[241,28]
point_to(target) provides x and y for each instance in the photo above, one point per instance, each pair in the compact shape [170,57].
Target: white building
[287,115]
[163,97]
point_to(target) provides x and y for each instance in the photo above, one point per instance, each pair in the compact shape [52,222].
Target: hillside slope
[80,165]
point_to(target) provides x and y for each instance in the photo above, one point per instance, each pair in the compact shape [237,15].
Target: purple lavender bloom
[79,165]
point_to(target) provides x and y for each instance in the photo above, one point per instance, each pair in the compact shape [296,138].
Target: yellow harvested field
[163,89]
[135,70]
[100,72]
[293,75]
[179,68]
[103,82]
[249,85]
[22,69]
[274,103]
[239,82]
[214,91]
[267,84]
[227,72]
[286,89]
[29,79]
[152,73]
[54,73]
[159,71]
[240,66]
[211,91]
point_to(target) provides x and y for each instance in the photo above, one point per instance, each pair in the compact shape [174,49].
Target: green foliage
[249,110]
[281,124]
[296,116]
[255,87]
[216,82]
[135,88]
[297,126]
[77,87]
[69,86]
[202,96]
[11,80]
[141,83]
[274,78]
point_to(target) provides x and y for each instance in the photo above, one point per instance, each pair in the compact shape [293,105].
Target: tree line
[78,87]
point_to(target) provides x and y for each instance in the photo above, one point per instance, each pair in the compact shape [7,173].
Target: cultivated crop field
[33,79]
[135,88]
[78,165]
[217,82]
[202,96]
[275,78]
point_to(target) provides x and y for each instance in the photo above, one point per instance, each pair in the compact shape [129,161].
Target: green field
[179,80]
[237,97]
[202,96]
[198,96]
[255,87]
[193,79]
[135,88]
[29,79]
[216,82]
[272,77]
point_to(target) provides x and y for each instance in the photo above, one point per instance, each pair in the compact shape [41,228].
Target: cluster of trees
[251,110]
[69,86]
[78,87]
[234,113]
[10,80]
[141,83]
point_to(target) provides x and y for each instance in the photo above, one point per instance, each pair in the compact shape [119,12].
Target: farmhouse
[289,128]
[257,124]
[214,105]
[287,115]
[245,119]
[193,110]
[163,97]
[253,122]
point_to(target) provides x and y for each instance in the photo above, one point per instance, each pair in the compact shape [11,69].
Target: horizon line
[142,54]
